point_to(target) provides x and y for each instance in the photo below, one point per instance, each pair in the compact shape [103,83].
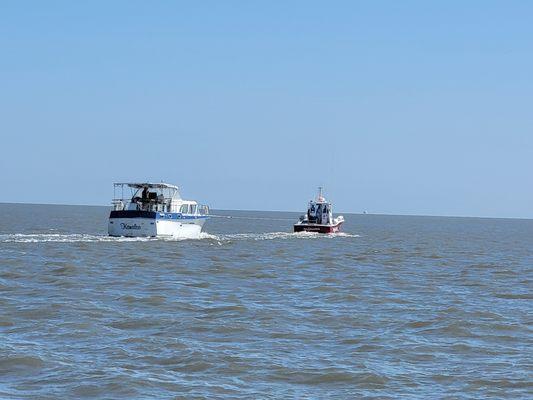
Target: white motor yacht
[154,210]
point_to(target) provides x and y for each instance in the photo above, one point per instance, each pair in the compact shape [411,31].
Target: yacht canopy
[149,185]
[159,188]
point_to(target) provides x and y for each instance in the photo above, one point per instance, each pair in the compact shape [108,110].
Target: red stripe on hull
[317,228]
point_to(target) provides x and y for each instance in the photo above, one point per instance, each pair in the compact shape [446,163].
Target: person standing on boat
[325,214]
[311,212]
[144,198]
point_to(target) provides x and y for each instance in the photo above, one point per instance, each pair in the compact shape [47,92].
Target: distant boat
[155,210]
[319,217]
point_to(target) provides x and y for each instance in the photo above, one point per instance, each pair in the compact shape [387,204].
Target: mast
[320,197]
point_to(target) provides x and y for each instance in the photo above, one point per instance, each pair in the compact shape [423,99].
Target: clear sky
[399,107]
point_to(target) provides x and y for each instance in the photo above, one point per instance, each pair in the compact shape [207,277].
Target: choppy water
[396,307]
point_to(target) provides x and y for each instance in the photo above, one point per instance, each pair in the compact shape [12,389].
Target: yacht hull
[155,224]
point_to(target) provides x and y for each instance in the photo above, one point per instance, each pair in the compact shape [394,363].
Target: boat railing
[118,204]
[203,209]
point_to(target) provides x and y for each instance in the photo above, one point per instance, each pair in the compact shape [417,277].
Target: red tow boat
[319,217]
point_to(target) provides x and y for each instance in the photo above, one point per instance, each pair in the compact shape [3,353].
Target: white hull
[149,227]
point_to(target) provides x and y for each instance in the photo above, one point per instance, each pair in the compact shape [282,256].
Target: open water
[395,307]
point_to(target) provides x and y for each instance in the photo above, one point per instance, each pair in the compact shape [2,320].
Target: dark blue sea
[394,307]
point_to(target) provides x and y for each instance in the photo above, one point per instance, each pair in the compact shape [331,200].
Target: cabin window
[184,209]
[193,209]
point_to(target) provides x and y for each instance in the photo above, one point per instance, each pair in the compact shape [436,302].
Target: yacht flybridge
[319,217]
[156,210]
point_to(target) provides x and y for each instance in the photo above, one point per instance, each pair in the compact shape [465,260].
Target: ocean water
[394,307]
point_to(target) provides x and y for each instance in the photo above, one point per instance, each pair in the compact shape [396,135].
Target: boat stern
[132,224]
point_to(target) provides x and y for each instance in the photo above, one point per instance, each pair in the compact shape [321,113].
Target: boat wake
[281,236]
[64,238]
[221,238]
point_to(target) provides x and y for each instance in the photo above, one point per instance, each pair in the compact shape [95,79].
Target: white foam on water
[202,235]
[77,238]
[283,236]
[205,235]
[63,238]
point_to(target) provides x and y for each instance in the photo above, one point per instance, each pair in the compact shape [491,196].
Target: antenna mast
[320,196]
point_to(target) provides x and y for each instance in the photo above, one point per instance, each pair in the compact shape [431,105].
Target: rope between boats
[250,218]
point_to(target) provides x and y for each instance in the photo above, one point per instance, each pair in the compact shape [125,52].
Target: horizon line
[289,211]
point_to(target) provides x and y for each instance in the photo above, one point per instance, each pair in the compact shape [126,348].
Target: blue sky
[410,107]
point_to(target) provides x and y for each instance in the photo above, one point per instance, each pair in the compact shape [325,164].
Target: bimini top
[148,185]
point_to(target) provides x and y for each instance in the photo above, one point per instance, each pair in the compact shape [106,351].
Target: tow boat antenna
[320,196]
